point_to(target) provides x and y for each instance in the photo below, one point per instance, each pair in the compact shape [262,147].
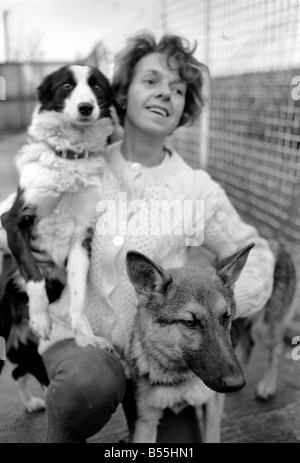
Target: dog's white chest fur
[193,392]
[62,192]
[74,213]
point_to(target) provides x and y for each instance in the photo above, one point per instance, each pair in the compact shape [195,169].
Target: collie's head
[80,93]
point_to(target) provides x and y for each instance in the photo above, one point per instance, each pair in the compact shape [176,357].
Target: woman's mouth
[159,110]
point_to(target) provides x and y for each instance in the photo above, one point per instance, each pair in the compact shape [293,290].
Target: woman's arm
[224,234]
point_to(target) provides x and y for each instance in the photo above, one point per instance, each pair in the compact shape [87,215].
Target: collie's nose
[85,109]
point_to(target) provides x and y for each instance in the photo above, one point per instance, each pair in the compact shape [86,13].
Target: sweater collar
[171,164]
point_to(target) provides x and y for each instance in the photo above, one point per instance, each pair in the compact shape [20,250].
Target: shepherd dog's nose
[85,109]
[233,383]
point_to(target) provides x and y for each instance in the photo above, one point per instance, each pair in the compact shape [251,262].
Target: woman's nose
[163,92]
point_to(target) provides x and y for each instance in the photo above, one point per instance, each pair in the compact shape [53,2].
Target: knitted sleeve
[5,206]
[224,234]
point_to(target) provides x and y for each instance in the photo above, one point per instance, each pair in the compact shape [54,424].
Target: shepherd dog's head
[184,317]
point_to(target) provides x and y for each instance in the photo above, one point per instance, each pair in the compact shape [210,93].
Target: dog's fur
[181,352]
[60,185]
[21,343]
[268,327]
[152,354]
[61,170]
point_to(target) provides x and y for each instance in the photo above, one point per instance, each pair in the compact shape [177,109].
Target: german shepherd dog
[181,351]
[182,346]
[268,327]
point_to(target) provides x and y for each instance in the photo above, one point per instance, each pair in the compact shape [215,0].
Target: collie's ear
[229,269]
[44,91]
[146,276]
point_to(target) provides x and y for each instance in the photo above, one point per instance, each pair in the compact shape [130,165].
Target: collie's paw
[103,343]
[41,325]
[99,342]
[35,404]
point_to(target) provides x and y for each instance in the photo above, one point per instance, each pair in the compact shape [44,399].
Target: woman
[158,88]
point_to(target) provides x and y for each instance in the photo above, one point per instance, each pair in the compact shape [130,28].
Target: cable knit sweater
[111,300]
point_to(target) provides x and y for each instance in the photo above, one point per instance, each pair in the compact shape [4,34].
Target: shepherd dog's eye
[97,86]
[189,323]
[225,319]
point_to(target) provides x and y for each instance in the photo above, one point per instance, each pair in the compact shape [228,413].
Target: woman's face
[156,97]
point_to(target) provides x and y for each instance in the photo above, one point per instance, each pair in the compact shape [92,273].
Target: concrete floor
[245,419]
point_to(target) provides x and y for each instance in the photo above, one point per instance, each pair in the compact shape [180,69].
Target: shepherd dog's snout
[233,381]
[219,368]
[85,108]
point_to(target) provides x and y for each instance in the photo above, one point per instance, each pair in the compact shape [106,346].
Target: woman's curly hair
[175,48]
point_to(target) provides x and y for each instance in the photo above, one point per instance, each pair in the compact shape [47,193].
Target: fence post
[205,115]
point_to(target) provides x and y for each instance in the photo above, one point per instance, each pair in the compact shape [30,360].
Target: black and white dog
[61,170]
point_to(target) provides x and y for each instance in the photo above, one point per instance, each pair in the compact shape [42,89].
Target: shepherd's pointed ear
[146,276]
[229,269]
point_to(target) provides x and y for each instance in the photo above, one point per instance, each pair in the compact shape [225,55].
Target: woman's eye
[150,81]
[67,86]
[179,91]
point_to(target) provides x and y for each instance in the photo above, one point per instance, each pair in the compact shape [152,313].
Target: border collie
[61,170]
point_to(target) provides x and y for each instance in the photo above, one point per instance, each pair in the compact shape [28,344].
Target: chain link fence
[248,136]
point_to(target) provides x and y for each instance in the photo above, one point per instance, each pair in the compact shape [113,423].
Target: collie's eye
[67,86]
[97,87]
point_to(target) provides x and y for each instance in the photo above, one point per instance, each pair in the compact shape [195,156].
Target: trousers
[87,385]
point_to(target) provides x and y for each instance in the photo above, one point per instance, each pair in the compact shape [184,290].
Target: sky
[62,30]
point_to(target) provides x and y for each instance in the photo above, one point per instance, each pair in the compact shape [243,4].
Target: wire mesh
[252,50]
